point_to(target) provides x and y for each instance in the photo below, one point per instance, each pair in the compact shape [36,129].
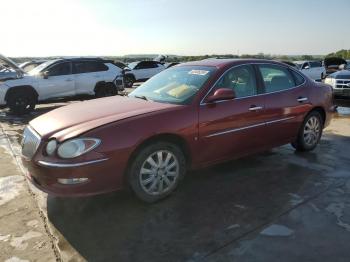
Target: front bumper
[341,92]
[102,177]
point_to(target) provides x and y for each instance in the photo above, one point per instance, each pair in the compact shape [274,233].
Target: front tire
[309,133]
[156,171]
[21,103]
[129,81]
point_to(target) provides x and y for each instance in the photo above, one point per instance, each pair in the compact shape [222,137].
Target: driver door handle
[302,99]
[255,108]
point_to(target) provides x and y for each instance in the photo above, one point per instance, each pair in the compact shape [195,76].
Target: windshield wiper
[142,97]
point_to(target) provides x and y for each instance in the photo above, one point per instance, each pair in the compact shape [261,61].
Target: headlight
[330,81]
[77,147]
[51,147]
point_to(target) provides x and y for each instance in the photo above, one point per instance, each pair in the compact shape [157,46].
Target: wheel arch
[320,110]
[131,75]
[22,88]
[165,137]
[99,84]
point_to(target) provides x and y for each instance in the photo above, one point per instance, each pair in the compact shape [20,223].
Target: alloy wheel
[312,131]
[159,172]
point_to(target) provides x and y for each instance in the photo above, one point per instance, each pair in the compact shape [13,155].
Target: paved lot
[278,205]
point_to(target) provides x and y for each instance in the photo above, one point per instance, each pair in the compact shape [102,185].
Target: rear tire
[105,90]
[21,102]
[156,171]
[310,132]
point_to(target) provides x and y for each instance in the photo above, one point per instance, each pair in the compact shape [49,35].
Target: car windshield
[133,65]
[299,65]
[39,68]
[176,85]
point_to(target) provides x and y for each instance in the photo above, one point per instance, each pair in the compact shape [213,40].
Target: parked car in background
[188,116]
[340,82]
[290,64]
[333,64]
[120,64]
[141,71]
[8,70]
[30,65]
[313,69]
[168,65]
[57,79]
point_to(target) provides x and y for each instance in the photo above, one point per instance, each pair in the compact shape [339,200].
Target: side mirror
[45,74]
[306,67]
[221,94]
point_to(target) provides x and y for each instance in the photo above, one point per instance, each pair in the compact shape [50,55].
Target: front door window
[241,79]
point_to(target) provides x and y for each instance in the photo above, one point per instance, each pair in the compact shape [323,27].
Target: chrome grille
[343,83]
[30,142]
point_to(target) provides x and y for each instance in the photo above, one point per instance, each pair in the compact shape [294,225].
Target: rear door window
[146,65]
[98,66]
[276,78]
[88,67]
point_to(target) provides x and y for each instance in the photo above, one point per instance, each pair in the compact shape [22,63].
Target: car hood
[17,72]
[343,74]
[77,118]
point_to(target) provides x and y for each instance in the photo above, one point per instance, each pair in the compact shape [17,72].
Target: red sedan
[189,116]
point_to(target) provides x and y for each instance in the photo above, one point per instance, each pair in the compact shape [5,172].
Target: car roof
[222,63]
[147,61]
[77,59]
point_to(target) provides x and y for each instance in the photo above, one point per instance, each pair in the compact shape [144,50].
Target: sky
[180,27]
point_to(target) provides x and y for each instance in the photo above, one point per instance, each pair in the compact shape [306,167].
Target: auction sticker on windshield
[198,72]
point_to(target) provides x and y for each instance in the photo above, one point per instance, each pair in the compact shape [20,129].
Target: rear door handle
[69,80]
[302,99]
[255,108]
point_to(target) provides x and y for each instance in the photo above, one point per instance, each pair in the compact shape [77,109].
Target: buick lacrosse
[189,116]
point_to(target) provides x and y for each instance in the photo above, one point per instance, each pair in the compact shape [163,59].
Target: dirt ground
[273,206]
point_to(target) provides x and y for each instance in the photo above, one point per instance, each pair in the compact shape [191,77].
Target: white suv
[141,71]
[313,69]
[57,79]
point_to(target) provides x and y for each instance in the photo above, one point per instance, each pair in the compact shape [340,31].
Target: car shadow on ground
[212,208]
